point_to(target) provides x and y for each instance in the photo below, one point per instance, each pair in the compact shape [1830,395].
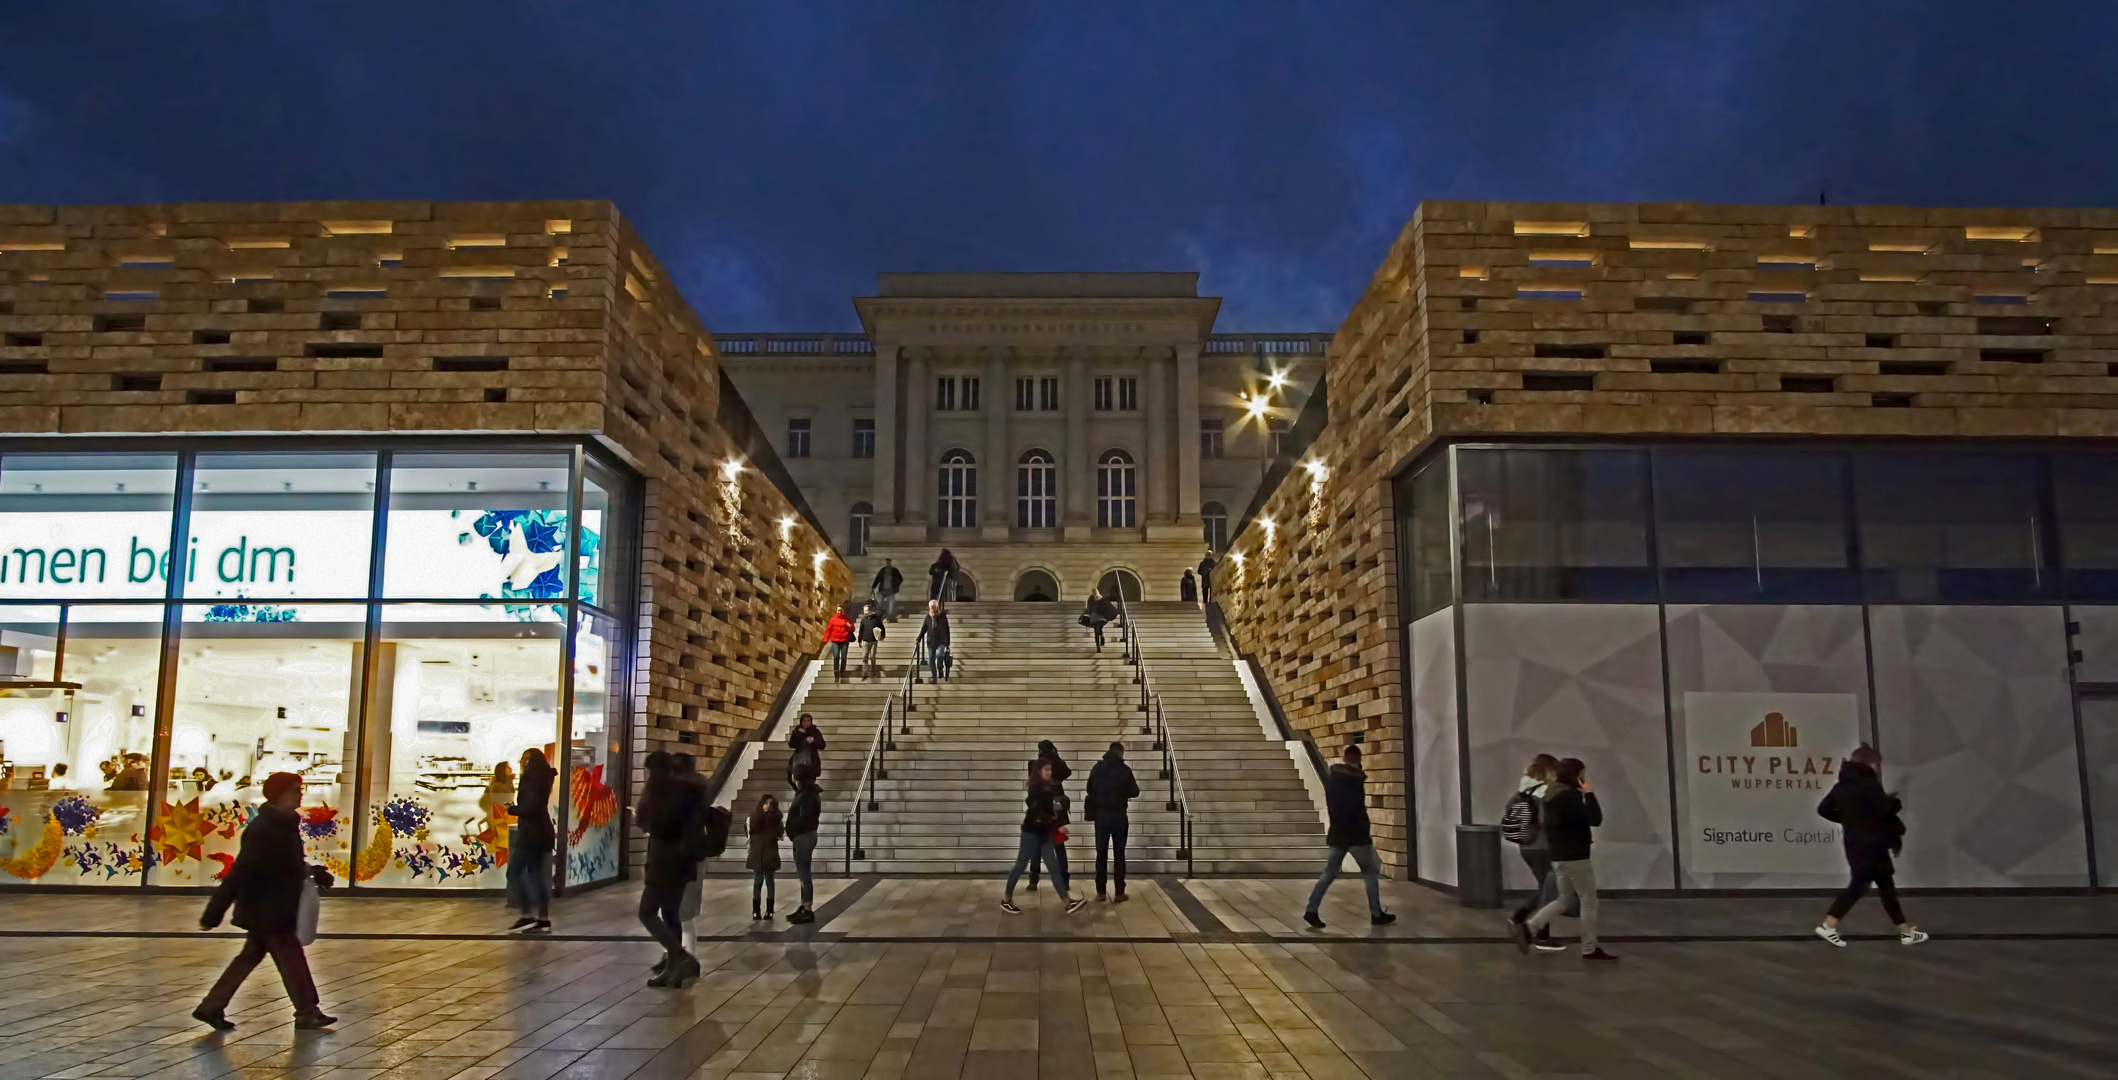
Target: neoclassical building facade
[1051,430]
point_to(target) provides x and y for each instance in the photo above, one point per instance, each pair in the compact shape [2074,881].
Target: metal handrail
[877,766]
[1155,722]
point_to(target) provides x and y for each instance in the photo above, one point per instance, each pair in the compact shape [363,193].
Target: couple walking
[1046,815]
[1552,817]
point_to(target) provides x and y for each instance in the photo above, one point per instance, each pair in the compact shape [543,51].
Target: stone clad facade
[478,320]
[1639,323]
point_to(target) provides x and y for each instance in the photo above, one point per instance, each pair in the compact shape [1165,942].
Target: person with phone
[1571,816]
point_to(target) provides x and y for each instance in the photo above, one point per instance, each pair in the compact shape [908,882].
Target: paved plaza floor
[928,978]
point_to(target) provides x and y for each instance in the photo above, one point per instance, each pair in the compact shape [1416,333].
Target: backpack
[1522,819]
[711,836]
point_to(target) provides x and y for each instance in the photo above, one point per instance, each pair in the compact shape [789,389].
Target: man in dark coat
[934,633]
[1874,831]
[1188,588]
[1101,611]
[1206,577]
[1110,787]
[888,580]
[265,887]
[1346,798]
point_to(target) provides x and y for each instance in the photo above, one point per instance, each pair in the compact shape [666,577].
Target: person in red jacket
[839,633]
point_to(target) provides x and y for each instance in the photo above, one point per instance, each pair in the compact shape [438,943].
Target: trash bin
[1478,865]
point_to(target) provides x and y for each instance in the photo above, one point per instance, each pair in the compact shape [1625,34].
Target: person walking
[1040,819]
[265,886]
[1110,788]
[1874,831]
[766,828]
[1048,755]
[669,814]
[1098,613]
[871,633]
[684,768]
[1206,566]
[934,633]
[941,578]
[529,856]
[1571,814]
[1523,823]
[1346,800]
[888,581]
[804,814]
[806,746]
[838,633]
[1188,589]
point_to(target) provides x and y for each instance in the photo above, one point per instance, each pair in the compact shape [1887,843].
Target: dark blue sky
[777,154]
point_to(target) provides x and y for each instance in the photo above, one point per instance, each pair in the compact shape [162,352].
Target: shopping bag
[305,915]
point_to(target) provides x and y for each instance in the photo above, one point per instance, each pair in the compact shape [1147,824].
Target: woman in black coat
[265,887]
[669,813]
[1873,832]
[529,858]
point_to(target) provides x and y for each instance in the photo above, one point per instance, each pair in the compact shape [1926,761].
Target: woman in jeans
[1040,819]
[529,858]
[1570,816]
[804,814]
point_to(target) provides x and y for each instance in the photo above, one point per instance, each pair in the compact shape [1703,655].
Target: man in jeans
[871,634]
[1110,787]
[1346,797]
[935,633]
[888,580]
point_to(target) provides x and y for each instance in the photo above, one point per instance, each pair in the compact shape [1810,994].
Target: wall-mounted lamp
[731,469]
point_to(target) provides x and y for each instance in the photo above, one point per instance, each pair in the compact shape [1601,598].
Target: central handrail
[1155,722]
[876,767]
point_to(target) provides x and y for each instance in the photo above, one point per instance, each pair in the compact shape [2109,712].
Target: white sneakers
[1911,935]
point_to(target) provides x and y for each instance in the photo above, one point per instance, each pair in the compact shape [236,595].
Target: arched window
[857,532]
[1037,491]
[1214,517]
[1116,491]
[958,491]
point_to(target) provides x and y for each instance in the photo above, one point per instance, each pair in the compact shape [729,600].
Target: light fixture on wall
[731,469]
[1278,379]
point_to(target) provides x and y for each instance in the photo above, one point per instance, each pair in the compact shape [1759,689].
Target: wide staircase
[947,799]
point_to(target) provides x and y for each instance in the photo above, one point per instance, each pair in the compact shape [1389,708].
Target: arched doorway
[1121,581]
[1036,586]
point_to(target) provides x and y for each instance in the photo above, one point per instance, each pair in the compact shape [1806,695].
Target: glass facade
[1711,627]
[392,624]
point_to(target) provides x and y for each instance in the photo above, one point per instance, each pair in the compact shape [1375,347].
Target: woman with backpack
[804,814]
[1874,832]
[1523,825]
[1571,815]
[766,829]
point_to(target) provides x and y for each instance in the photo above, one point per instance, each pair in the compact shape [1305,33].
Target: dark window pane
[1752,526]
[2085,491]
[1555,525]
[1423,523]
[1950,528]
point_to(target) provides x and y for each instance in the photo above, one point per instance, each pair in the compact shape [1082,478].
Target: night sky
[777,154]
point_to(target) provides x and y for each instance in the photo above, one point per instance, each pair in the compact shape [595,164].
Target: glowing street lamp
[731,469]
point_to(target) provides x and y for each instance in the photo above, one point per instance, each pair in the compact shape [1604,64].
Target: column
[1080,466]
[885,463]
[919,397]
[996,472]
[1188,435]
[1154,456]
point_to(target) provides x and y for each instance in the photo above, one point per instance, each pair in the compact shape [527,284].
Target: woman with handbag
[1041,819]
[269,885]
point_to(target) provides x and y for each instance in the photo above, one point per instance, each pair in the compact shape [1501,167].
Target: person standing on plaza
[934,634]
[871,633]
[766,829]
[1346,799]
[1041,817]
[529,856]
[888,581]
[941,578]
[1206,566]
[1571,814]
[1099,612]
[806,746]
[1523,823]
[1110,788]
[804,814]
[1188,589]
[1874,831]
[669,814]
[265,885]
[838,633]
[1048,754]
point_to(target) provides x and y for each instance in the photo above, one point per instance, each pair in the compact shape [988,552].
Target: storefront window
[280,525]
[1752,527]
[595,526]
[76,742]
[2085,492]
[459,692]
[596,830]
[1939,528]
[257,695]
[1544,525]
[1423,520]
[477,526]
[85,526]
